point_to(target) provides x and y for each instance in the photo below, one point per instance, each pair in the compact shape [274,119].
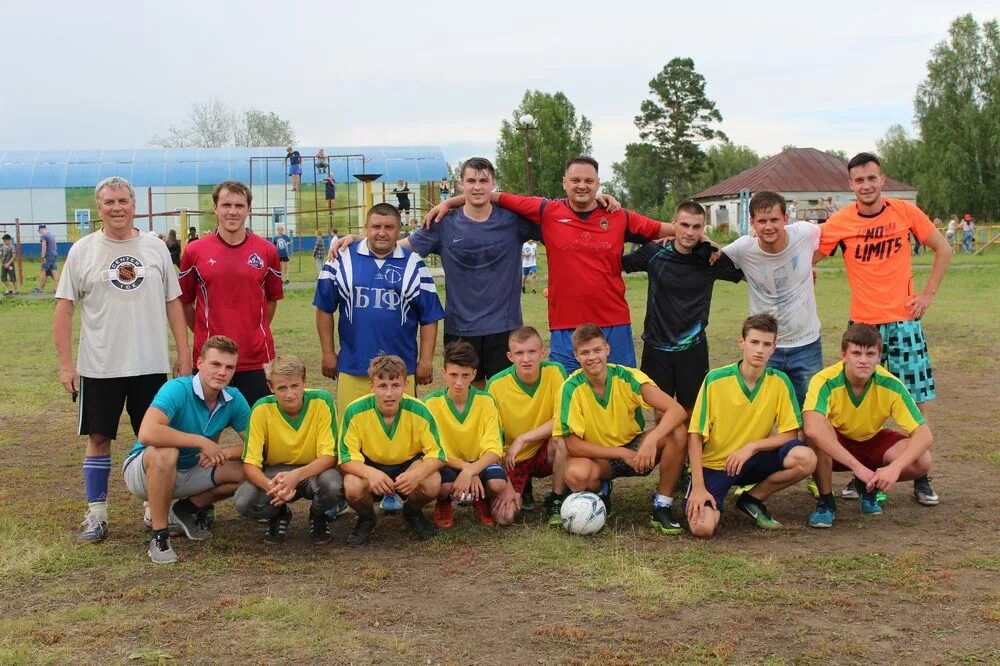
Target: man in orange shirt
[874,235]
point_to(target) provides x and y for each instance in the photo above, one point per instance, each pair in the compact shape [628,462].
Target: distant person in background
[950,234]
[49,258]
[792,209]
[319,251]
[330,185]
[402,192]
[529,265]
[192,234]
[322,165]
[284,244]
[7,274]
[968,234]
[294,159]
[174,246]
[443,189]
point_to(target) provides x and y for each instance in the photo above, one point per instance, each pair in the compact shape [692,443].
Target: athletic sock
[96,472]
[828,500]
[98,510]
[604,489]
[187,504]
[662,501]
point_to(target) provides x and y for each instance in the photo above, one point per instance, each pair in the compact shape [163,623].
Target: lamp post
[526,124]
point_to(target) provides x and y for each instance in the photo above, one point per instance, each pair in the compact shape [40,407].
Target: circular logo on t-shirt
[393,275]
[125,273]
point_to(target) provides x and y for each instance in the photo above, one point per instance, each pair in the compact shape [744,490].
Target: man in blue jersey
[384,294]
[178,455]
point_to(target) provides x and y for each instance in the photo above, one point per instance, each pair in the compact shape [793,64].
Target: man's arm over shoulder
[530,208]
[638,260]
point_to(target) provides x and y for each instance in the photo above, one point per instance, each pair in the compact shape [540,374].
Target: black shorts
[404,208]
[621,469]
[252,384]
[491,350]
[679,374]
[9,275]
[102,401]
[392,471]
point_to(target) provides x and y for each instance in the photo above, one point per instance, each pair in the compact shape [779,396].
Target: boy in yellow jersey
[389,444]
[845,413]
[469,424]
[599,413]
[290,453]
[730,439]
[526,395]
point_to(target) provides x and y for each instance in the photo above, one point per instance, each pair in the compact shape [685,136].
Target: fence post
[20,252]
[149,194]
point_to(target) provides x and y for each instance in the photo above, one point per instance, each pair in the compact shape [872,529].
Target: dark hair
[7,237]
[765,201]
[220,343]
[581,159]
[477,164]
[461,353]
[235,187]
[523,334]
[862,159]
[760,322]
[691,208]
[384,209]
[861,335]
[584,333]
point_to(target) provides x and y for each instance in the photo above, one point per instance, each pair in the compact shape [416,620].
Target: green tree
[557,134]
[958,113]
[676,120]
[254,128]
[837,153]
[725,160]
[212,124]
[902,158]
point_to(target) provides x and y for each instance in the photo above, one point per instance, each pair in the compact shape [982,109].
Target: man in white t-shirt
[125,284]
[529,265]
[777,265]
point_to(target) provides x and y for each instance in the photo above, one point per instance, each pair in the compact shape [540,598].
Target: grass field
[915,585]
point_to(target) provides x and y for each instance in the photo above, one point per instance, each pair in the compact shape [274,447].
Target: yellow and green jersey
[365,435]
[471,433]
[727,414]
[274,438]
[861,417]
[522,407]
[613,420]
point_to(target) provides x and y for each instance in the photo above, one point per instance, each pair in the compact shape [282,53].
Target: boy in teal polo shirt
[178,455]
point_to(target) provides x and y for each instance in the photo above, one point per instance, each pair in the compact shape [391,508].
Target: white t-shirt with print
[529,255]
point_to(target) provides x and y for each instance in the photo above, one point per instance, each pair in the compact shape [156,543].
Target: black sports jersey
[679,296]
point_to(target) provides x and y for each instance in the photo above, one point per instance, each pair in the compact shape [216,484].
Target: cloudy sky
[114,74]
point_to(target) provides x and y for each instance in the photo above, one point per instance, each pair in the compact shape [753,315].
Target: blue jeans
[800,364]
[967,239]
[618,337]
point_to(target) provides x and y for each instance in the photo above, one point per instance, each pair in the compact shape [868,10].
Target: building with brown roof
[814,183]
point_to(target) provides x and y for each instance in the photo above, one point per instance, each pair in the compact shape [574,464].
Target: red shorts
[870,453]
[537,466]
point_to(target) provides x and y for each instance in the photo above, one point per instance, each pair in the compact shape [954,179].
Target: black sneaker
[924,492]
[662,520]
[277,527]
[553,503]
[606,497]
[423,528]
[319,528]
[206,517]
[362,531]
[528,497]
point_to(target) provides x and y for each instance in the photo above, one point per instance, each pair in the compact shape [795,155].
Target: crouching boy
[289,454]
[469,424]
[389,444]
[730,441]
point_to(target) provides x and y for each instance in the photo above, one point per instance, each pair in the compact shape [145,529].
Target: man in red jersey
[584,242]
[231,285]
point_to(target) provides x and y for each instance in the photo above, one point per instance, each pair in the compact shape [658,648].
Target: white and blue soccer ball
[583,514]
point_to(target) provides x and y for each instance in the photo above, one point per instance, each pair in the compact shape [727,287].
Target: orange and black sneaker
[483,513]
[444,517]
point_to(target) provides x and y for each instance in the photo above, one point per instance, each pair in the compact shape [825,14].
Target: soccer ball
[582,513]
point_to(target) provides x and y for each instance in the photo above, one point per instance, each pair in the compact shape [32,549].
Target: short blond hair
[386,366]
[285,366]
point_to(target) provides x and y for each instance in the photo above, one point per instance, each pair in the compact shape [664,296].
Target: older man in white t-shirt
[777,265]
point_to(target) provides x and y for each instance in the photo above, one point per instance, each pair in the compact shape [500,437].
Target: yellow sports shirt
[366,436]
[728,415]
[613,421]
[275,439]
[860,418]
[469,434]
[523,408]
